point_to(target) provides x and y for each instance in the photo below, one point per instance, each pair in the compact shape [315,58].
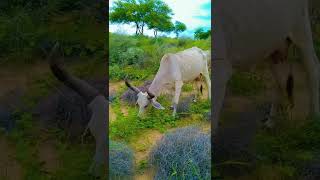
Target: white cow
[97,104]
[249,31]
[174,70]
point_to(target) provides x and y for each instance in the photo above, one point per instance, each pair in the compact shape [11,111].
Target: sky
[193,13]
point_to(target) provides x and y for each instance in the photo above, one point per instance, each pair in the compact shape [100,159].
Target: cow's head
[144,99]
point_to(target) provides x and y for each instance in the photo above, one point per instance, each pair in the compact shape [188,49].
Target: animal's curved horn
[150,95]
[81,87]
[133,88]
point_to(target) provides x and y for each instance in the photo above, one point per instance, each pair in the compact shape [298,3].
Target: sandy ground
[10,169]
[48,155]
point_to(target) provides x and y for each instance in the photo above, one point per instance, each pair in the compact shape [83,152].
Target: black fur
[81,87]
[290,84]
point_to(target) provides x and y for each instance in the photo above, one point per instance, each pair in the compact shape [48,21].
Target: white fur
[175,69]
[248,31]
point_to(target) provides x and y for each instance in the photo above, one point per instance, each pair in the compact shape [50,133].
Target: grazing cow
[249,31]
[174,70]
[97,104]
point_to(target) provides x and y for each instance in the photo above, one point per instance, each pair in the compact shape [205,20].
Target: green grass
[125,127]
[130,126]
[25,139]
[289,149]
[76,159]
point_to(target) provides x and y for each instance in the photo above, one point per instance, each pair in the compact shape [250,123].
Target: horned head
[144,99]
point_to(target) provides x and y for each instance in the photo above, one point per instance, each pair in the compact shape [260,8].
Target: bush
[116,73]
[183,154]
[120,160]
[133,56]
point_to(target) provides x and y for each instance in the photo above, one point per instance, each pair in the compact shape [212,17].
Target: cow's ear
[156,104]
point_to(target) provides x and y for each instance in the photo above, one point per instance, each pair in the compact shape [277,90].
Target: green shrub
[291,148]
[133,56]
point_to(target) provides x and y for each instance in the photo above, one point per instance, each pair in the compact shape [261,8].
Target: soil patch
[10,169]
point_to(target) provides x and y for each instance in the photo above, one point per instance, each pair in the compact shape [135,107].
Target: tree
[152,13]
[201,34]
[160,18]
[179,27]
[126,12]
[165,26]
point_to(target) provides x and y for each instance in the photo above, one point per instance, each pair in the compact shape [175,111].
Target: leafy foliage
[138,57]
[152,13]
[183,154]
[201,34]
[179,27]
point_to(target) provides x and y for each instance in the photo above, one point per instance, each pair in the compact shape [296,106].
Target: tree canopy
[154,14]
[179,27]
[201,34]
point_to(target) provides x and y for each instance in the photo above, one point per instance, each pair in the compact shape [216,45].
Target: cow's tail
[290,85]
[81,87]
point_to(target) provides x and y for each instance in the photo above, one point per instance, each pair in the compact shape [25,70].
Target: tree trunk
[137,28]
[142,28]
[155,33]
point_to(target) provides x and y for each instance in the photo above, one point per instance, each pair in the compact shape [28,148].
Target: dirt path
[10,169]
[17,78]
[48,156]
[142,147]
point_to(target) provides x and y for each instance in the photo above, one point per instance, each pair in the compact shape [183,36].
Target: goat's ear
[156,104]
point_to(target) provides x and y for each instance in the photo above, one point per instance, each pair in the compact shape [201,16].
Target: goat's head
[144,99]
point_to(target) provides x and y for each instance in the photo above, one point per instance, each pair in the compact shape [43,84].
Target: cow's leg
[277,94]
[221,71]
[302,37]
[208,81]
[220,76]
[178,86]
[197,89]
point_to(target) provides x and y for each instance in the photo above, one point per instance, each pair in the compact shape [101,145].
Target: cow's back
[253,29]
[191,62]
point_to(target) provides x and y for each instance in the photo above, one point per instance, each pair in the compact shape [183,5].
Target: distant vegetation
[138,57]
[201,34]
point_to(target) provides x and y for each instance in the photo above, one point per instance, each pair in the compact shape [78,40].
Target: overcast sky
[193,13]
